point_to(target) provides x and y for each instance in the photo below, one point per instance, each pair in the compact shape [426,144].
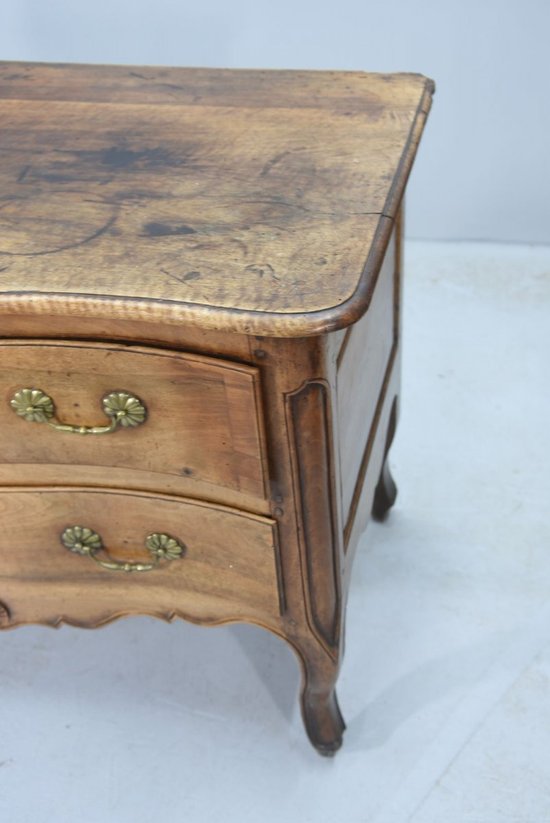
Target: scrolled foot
[323,721]
[384,495]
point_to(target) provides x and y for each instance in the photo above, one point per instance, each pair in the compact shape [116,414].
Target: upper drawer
[203,418]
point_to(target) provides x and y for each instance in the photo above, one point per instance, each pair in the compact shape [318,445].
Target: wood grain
[310,424]
[235,347]
[204,417]
[137,199]
[229,569]
[361,369]
[166,85]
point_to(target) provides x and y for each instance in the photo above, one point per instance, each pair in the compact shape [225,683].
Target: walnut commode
[199,354]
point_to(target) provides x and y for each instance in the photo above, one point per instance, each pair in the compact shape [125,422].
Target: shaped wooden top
[251,201]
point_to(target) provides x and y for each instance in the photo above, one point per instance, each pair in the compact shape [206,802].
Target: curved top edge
[214,318]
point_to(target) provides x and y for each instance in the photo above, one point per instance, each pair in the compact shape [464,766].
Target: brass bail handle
[87,543]
[123,409]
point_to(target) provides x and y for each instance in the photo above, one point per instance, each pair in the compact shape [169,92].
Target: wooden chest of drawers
[199,345]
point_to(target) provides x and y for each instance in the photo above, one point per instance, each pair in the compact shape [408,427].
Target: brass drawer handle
[84,541]
[36,406]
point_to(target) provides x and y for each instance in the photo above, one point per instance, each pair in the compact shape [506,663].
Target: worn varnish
[244,201]
[226,245]
[204,417]
[228,570]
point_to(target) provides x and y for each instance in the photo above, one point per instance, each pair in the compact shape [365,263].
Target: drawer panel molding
[197,416]
[227,568]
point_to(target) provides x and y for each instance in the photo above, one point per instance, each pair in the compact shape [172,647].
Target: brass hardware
[36,406]
[84,541]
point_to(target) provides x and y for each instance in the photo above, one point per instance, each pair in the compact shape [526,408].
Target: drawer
[203,416]
[225,569]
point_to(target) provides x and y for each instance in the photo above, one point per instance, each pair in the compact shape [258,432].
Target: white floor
[446,681]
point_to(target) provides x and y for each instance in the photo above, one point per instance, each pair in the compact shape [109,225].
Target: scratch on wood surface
[273,162]
[102,230]
[183,278]
[23,173]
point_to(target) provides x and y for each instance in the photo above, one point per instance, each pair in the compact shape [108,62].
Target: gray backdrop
[483,170]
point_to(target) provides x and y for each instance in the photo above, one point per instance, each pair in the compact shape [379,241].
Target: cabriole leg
[320,711]
[386,490]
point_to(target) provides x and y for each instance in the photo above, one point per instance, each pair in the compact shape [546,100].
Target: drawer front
[213,563]
[202,421]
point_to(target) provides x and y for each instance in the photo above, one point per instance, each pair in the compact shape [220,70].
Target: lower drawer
[131,553]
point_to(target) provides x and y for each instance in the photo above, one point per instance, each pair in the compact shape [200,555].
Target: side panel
[363,364]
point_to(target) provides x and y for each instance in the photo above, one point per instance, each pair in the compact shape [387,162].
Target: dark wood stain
[122,157]
[164,230]
[260,269]
[258,174]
